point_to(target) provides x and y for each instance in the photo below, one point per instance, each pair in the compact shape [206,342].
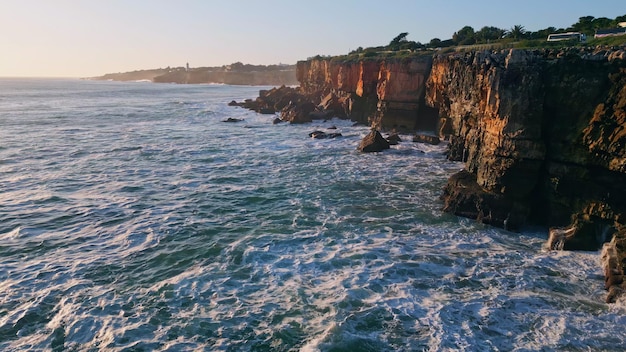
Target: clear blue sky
[83,38]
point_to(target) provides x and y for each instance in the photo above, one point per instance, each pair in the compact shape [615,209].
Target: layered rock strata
[543,137]
[386,94]
[542,134]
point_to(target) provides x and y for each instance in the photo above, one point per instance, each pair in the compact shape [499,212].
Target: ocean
[133,219]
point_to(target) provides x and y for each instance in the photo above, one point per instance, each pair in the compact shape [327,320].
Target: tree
[464,36]
[602,23]
[584,24]
[516,32]
[399,38]
[487,34]
[542,33]
[434,43]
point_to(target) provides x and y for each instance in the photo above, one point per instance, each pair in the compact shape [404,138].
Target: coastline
[235,74]
[540,132]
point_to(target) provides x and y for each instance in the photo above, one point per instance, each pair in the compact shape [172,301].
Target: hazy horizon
[77,39]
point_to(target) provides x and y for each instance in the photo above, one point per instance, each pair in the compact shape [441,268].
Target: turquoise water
[132,218]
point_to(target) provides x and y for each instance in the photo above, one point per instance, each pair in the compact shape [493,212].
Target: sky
[86,38]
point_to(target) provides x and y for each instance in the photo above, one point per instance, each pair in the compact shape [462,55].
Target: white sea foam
[160,228]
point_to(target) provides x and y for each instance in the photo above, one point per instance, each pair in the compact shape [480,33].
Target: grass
[382,53]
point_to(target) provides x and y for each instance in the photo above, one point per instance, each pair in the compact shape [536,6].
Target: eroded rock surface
[543,137]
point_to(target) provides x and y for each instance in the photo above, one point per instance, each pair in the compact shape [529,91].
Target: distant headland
[235,74]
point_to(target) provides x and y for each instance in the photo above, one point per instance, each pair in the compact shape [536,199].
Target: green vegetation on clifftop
[487,38]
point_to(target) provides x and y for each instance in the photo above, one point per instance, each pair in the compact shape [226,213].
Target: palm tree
[517,32]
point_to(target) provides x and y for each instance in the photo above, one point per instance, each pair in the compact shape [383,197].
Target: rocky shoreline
[542,133]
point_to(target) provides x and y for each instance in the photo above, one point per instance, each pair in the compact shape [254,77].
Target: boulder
[394,139]
[317,134]
[277,121]
[332,105]
[559,236]
[614,265]
[298,113]
[373,142]
[590,228]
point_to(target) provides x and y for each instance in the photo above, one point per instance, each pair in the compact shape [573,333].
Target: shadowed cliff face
[542,136]
[492,106]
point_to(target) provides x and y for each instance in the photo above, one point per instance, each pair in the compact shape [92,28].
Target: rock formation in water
[373,142]
[614,265]
[542,133]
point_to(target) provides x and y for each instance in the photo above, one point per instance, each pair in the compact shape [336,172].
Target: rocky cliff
[384,93]
[543,138]
[542,133]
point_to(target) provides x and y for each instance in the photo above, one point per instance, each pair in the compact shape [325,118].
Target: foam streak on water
[131,218]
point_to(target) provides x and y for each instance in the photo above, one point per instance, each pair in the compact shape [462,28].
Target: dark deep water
[131,218]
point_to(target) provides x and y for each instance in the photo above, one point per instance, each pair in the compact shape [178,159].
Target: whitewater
[133,219]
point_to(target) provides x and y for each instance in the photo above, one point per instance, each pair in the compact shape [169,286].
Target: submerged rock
[324,135]
[428,139]
[232,119]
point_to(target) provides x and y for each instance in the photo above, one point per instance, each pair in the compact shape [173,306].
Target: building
[556,37]
[601,33]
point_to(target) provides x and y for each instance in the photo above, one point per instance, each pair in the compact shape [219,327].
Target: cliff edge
[543,137]
[542,133]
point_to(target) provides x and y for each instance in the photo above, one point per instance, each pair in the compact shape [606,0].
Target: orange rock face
[402,81]
[391,90]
